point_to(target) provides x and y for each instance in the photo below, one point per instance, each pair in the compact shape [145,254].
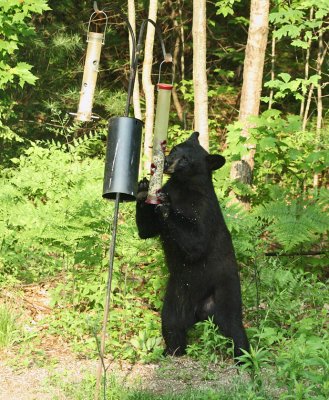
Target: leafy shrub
[209,343]
[53,222]
[288,211]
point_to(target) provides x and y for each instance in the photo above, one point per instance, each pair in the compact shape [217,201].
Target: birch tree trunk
[136,97]
[182,38]
[148,87]
[177,104]
[306,68]
[272,70]
[199,32]
[173,16]
[321,56]
[320,105]
[252,85]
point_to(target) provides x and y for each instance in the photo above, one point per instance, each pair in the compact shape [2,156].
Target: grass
[116,390]
[59,228]
[8,326]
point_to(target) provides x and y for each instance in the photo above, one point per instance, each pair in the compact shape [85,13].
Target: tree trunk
[177,104]
[136,97]
[182,38]
[199,31]
[306,68]
[272,70]
[319,62]
[320,105]
[173,16]
[148,87]
[252,86]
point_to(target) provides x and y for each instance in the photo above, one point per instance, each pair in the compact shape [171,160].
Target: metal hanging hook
[98,12]
[160,67]
[167,57]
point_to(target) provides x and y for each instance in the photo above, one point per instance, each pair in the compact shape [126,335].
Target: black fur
[204,278]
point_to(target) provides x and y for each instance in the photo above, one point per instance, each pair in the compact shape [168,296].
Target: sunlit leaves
[225,7]
[15,16]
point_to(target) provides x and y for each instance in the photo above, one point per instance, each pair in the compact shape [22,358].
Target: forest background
[55,227]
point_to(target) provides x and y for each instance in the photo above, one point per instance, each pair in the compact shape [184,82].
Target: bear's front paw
[142,189]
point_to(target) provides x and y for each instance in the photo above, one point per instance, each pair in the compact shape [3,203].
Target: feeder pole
[107,298]
[135,59]
[101,365]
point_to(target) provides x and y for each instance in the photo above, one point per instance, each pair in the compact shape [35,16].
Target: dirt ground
[34,383]
[41,373]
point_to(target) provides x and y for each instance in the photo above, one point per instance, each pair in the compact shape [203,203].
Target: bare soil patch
[42,372]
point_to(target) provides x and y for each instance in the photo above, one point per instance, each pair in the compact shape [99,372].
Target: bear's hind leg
[177,318]
[228,316]
[175,340]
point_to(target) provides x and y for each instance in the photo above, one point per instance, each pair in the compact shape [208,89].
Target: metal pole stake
[101,363]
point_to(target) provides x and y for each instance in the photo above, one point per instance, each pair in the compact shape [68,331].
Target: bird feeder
[122,158]
[125,136]
[95,42]
[159,139]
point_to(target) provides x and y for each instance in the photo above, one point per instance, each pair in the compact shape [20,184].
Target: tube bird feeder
[159,140]
[122,158]
[95,42]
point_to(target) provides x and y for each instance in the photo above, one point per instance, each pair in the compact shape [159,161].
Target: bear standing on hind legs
[203,280]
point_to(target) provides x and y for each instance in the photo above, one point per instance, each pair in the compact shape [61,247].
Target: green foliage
[8,326]
[209,343]
[117,390]
[59,192]
[57,223]
[254,361]
[286,86]
[292,22]
[226,7]
[53,222]
[287,207]
[304,363]
[294,222]
[15,31]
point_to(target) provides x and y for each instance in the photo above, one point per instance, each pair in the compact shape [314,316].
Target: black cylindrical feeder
[122,158]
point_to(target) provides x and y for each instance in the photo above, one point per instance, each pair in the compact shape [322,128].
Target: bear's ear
[215,161]
[194,137]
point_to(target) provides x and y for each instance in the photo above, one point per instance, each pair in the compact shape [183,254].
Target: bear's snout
[169,165]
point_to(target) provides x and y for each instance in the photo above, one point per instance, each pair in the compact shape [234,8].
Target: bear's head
[189,158]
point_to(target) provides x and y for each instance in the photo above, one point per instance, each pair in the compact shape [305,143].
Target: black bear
[203,275]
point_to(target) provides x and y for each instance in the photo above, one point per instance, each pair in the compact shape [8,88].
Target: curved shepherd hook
[136,50]
[136,55]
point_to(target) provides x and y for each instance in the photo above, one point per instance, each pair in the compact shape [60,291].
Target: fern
[294,222]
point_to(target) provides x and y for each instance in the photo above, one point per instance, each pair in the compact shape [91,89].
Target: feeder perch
[95,42]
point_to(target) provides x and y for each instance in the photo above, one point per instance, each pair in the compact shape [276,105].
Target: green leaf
[300,43]
[22,70]
[267,142]
[285,77]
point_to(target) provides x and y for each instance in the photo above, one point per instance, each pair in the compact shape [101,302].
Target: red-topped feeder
[159,141]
